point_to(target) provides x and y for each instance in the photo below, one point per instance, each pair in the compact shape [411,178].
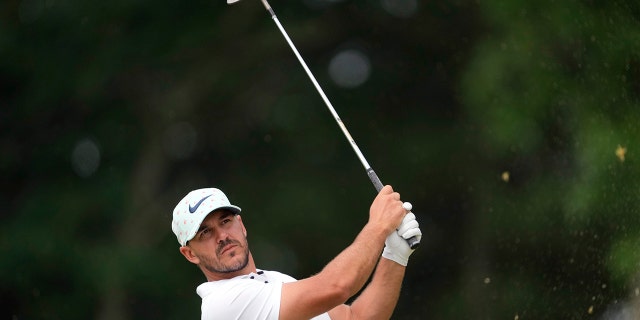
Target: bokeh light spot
[400,8]
[85,158]
[349,68]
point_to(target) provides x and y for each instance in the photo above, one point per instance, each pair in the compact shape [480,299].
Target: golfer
[213,237]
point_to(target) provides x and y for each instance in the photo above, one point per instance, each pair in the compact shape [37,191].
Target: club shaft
[324,98]
[413,241]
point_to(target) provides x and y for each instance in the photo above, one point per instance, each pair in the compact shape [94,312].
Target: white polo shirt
[255,296]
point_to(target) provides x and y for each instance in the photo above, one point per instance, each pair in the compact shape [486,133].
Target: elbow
[341,292]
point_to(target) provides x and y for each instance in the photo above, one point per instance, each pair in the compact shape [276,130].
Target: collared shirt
[255,296]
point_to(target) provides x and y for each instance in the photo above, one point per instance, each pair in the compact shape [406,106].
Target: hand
[386,211]
[396,247]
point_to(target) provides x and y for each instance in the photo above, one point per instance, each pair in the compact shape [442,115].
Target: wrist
[376,232]
[390,255]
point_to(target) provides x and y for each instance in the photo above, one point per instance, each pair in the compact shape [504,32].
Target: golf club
[413,241]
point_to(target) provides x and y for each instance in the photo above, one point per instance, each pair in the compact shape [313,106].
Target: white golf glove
[396,247]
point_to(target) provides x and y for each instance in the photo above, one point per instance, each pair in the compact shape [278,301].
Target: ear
[189,255]
[244,230]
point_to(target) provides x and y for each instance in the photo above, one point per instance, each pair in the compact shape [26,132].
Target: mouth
[227,248]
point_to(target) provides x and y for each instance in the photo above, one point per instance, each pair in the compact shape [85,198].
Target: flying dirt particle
[505,176]
[621,152]
[590,311]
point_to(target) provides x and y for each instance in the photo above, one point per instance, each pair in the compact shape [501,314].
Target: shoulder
[277,276]
[252,280]
[212,287]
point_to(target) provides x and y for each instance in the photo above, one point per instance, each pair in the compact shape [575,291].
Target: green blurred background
[512,127]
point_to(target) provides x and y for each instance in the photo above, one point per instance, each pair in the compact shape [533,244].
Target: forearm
[339,280]
[347,273]
[353,266]
[380,297]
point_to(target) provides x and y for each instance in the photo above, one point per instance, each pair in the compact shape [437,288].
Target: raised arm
[379,299]
[347,273]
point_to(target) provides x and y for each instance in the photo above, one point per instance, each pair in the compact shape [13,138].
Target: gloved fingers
[413,232]
[408,217]
[406,226]
[408,222]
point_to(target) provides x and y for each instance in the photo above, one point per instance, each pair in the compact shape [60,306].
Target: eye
[225,221]
[204,232]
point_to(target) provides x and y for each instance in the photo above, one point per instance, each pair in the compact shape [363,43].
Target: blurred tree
[509,125]
[552,92]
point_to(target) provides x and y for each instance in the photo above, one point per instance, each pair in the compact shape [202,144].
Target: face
[220,245]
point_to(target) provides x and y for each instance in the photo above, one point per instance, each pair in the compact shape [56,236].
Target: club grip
[413,241]
[374,179]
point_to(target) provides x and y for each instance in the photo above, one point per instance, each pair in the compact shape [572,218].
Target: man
[212,236]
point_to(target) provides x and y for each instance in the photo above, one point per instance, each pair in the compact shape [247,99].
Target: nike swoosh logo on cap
[194,208]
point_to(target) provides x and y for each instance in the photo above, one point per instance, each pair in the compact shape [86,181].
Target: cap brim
[192,233]
[231,208]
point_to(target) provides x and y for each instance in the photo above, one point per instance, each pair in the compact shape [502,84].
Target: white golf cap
[193,208]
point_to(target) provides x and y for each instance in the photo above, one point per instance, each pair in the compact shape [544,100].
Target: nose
[221,236]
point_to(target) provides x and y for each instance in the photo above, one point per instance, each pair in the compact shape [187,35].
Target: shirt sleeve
[245,298]
[285,279]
